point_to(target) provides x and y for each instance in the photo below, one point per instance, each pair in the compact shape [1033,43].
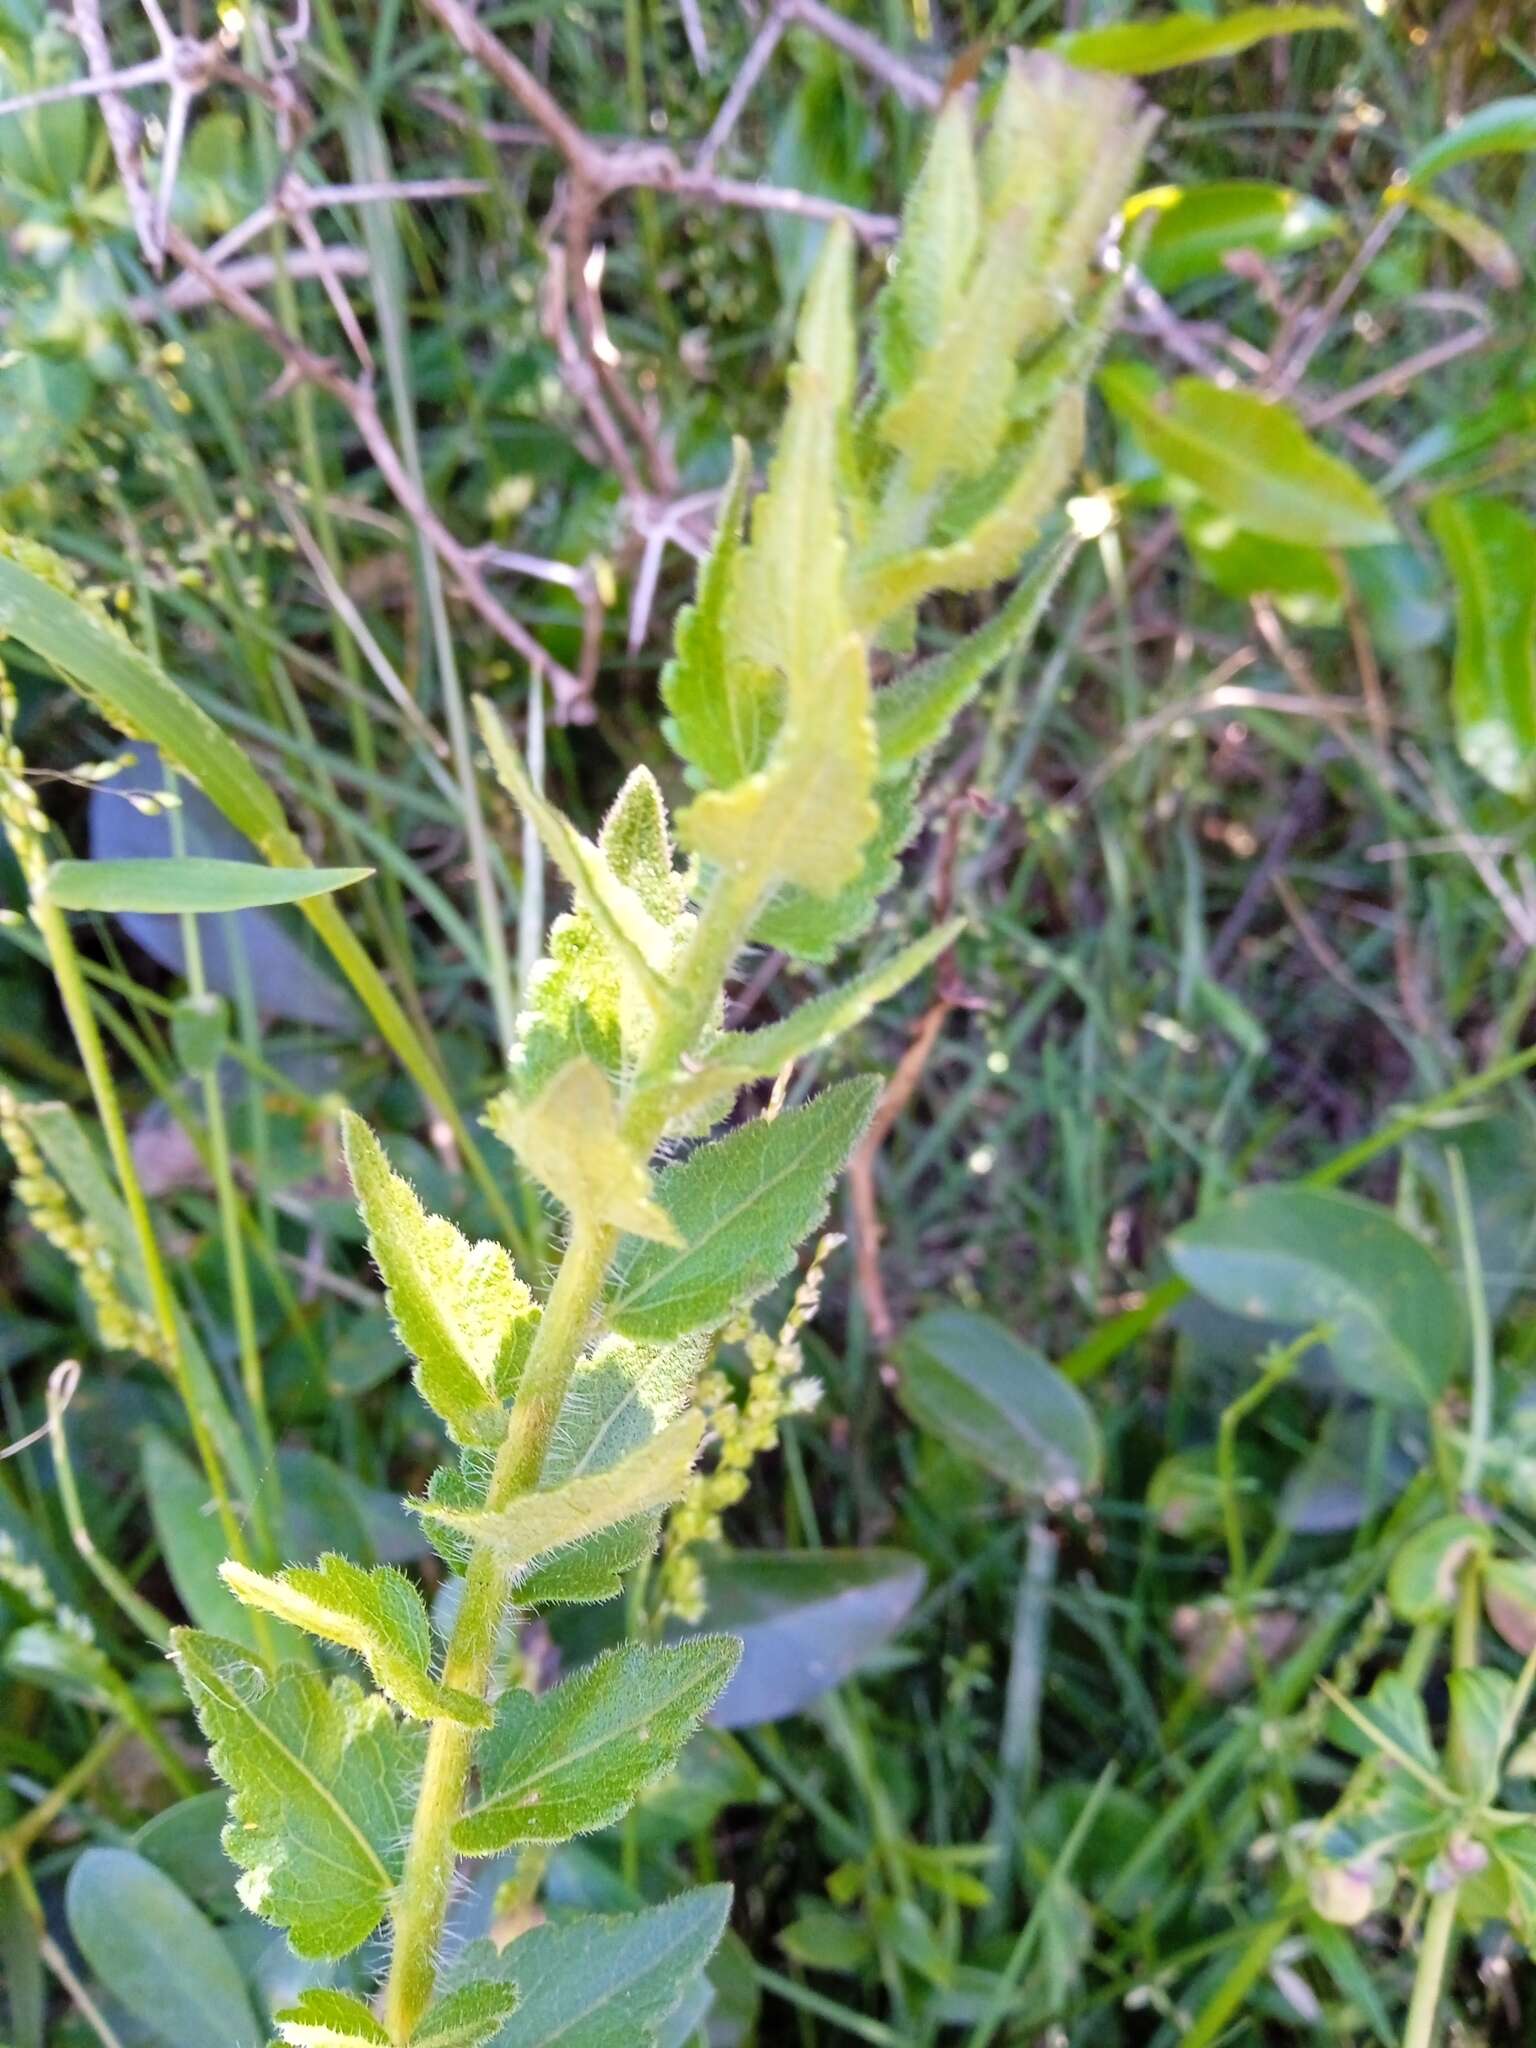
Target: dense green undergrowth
[1128,1531]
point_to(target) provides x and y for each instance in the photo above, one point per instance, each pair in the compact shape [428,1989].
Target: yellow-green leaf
[1138,48]
[459,1308]
[1490,548]
[1501,127]
[570,1138]
[1195,228]
[377,1614]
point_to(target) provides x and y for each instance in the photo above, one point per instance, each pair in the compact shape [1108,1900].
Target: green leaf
[155,1952]
[572,1759]
[1253,459]
[737,1057]
[740,1207]
[968,1380]
[467,2017]
[914,713]
[724,712]
[323,1783]
[1480,1730]
[603,1981]
[807,1619]
[378,1614]
[1500,128]
[1196,227]
[1300,1256]
[536,1525]
[1509,1594]
[1427,1570]
[1514,1851]
[1490,548]
[636,842]
[571,1138]
[190,1539]
[324,2018]
[940,230]
[459,1308]
[1394,1719]
[1469,231]
[1136,49]
[189,883]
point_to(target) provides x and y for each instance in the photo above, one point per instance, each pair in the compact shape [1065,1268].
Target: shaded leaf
[378,1614]
[1490,548]
[1299,1256]
[739,1206]
[807,1620]
[1501,127]
[572,1759]
[969,1381]
[156,1953]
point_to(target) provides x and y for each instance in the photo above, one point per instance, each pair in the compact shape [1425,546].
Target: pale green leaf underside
[572,1759]
[322,1782]
[324,2018]
[742,1205]
[604,1981]
[377,1614]
[188,883]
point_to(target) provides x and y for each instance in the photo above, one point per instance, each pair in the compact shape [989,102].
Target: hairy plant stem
[425,1883]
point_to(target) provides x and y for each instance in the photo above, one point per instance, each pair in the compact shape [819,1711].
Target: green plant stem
[20,1835]
[427,1877]
[108,1577]
[1480,1419]
[1019,1749]
[1275,1373]
[1236,1985]
[75,997]
[1429,1977]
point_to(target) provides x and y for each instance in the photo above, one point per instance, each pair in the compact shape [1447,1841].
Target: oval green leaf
[1299,1256]
[153,1950]
[1197,227]
[1134,49]
[189,884]
[1490,550]
[1253,459]
[807,1620]
[1499,129]
[968,1380]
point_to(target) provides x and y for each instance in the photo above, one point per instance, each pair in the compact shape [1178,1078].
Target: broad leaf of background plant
[1299,1256]
[1196,227]
[603,1981]
[1137,49]
[1490,548]
[1253,458]
[576,1757]
[739,1206]
[1506,126]
[322,1779]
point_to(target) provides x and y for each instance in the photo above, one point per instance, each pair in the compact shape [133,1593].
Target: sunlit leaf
[189,884]
[1142,47]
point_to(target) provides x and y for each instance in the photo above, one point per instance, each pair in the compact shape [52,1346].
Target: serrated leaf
[740,1207]
[459,1308]
[323,1783]
[635,841]
[642,948]
[999,538]
[1139,48]
[1504,126]
[738,1057]
[188,883]
[969,1381]
[570,1137]
[467,2017]
[572,1759]
[824,333]
[1300,1256]
[535,1525]
[724,711]
[940,228]
[1252,458]
[603,1981]
[1490,549]
[324,2018]
[377,1614]
[914,713]
[817,928]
